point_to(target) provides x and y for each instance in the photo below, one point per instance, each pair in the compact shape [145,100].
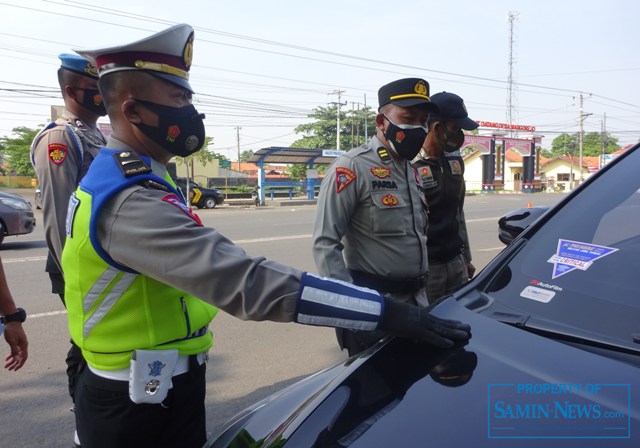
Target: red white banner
[478,140]
[520,145]
[515,127]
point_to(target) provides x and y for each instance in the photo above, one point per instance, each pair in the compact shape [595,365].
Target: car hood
[505,383]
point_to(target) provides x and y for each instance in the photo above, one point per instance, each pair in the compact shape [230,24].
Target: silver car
[16,215]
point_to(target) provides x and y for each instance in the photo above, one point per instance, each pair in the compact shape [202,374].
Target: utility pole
[238,140]
[366,131]
[603,136]
[581,135]
[338,104]
[358,126]
[353,104]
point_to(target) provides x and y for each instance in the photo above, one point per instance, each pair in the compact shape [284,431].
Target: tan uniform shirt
[370,217]
[159,239]
[59,167]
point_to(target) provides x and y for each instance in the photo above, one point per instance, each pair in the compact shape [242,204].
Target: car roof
[4,194]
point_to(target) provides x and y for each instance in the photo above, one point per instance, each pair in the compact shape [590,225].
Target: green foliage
[321,132]
[14,151]
[297,172]
[245,155]
[203,156]
[592,144]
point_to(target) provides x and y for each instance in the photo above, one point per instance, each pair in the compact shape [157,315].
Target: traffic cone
[529,205]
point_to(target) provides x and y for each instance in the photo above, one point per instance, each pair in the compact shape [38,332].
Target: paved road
[249,361]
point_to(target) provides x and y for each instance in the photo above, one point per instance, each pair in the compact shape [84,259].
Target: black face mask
[405,139]
[180,129]
[452,141]
[92,100]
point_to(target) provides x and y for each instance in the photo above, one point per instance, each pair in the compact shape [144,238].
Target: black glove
[412,322]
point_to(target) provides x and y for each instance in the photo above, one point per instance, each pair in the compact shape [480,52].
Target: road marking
[274,238]
[25,259]
[491,249]
[483,219]
[47,314]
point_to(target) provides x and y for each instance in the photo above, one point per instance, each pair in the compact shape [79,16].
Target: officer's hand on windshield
[412,322]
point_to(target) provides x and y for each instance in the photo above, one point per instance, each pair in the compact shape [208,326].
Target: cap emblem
[420,88]
[187,53]
[91,70]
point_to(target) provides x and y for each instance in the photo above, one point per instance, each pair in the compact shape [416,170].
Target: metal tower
[511,18]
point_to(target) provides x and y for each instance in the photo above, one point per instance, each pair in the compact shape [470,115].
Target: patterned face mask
[180,130]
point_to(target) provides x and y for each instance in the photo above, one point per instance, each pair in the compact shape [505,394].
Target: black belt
[385,284]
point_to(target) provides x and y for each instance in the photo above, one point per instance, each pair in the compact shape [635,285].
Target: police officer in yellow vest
[144,277]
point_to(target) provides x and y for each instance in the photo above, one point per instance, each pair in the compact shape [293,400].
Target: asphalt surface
[249,361]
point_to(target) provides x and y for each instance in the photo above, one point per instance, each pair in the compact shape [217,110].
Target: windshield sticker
[538,294]
[576,255]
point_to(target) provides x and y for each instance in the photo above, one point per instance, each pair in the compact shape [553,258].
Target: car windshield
[581,267]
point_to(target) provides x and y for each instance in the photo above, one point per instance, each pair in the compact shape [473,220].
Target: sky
[260,67]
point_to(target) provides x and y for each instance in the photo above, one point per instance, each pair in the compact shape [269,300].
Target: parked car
[16,215]
[201,197]
[554,353]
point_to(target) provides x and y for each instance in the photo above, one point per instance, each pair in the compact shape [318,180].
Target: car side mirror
[513,223]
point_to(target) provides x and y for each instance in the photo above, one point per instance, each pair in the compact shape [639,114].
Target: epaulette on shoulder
[130,163]
[155,185]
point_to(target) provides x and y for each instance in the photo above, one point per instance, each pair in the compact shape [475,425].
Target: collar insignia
[384,154]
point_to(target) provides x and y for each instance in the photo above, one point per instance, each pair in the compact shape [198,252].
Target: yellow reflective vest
[113,310]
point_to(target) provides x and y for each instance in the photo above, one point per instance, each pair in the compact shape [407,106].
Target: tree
[321,132]
[201,157]
[296,172]
[592,144]
[245,155]
[595,142]
[15,151]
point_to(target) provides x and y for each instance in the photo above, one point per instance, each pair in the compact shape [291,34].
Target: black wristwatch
[18,316]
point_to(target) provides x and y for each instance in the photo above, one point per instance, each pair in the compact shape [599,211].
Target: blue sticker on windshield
[576,255]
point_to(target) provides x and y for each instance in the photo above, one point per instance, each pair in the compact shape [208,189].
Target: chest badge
[455,166]
[390,200]
[381,172]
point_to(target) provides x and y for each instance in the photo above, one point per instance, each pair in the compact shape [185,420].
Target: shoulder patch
[383,153]
[130,163]
[175,200]
[344,176]
[57,152]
